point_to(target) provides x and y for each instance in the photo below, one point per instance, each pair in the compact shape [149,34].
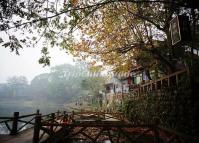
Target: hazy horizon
[26,64]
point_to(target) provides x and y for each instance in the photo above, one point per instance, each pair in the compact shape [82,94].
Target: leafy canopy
[121,34]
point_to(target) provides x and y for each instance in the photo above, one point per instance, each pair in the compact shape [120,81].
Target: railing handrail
[162,78]
[25,116]
[7,119]
[21,116]
[62,123]
[2,118]
[29,115]
[16,119]
[150,82]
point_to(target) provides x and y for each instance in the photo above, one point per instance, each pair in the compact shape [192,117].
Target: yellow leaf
[74,2]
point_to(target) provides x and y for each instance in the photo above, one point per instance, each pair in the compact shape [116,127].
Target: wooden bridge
[87,127]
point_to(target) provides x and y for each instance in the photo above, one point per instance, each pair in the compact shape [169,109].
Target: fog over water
[26,86]
[27,100]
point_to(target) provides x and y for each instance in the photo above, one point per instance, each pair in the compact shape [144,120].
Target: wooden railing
[171,80]
[45,125]
[97,115]
[48,128]
[78,121]
[12,123]
[51,124]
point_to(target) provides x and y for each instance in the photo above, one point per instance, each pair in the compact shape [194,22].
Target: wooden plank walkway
[94,127]
[26,136]
[23,137]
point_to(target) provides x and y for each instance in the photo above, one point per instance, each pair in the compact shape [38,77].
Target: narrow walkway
[87,126]
[93,127]
[23,137]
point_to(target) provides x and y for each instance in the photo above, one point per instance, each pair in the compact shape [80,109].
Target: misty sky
[26,63]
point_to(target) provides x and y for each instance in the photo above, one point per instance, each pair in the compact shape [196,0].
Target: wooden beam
[76,133]
[37,129]
[98,135]
[52,120]
[84,134]
[97,124]
[48,131]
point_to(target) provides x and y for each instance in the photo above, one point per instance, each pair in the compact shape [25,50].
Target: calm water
[8,110]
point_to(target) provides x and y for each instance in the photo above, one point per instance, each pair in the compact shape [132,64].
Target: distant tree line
[64,83]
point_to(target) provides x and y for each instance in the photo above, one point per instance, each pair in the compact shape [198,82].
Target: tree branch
[63,12]
[90,6]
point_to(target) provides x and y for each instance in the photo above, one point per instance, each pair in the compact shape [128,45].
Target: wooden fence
[48,128]
[12,123]
[171,80]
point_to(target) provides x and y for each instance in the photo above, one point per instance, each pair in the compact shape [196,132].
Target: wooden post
[65,118]
[98,116]
[52,120]
[15,123]
[72,117]
[57,116]
[37,112]
[37,127]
